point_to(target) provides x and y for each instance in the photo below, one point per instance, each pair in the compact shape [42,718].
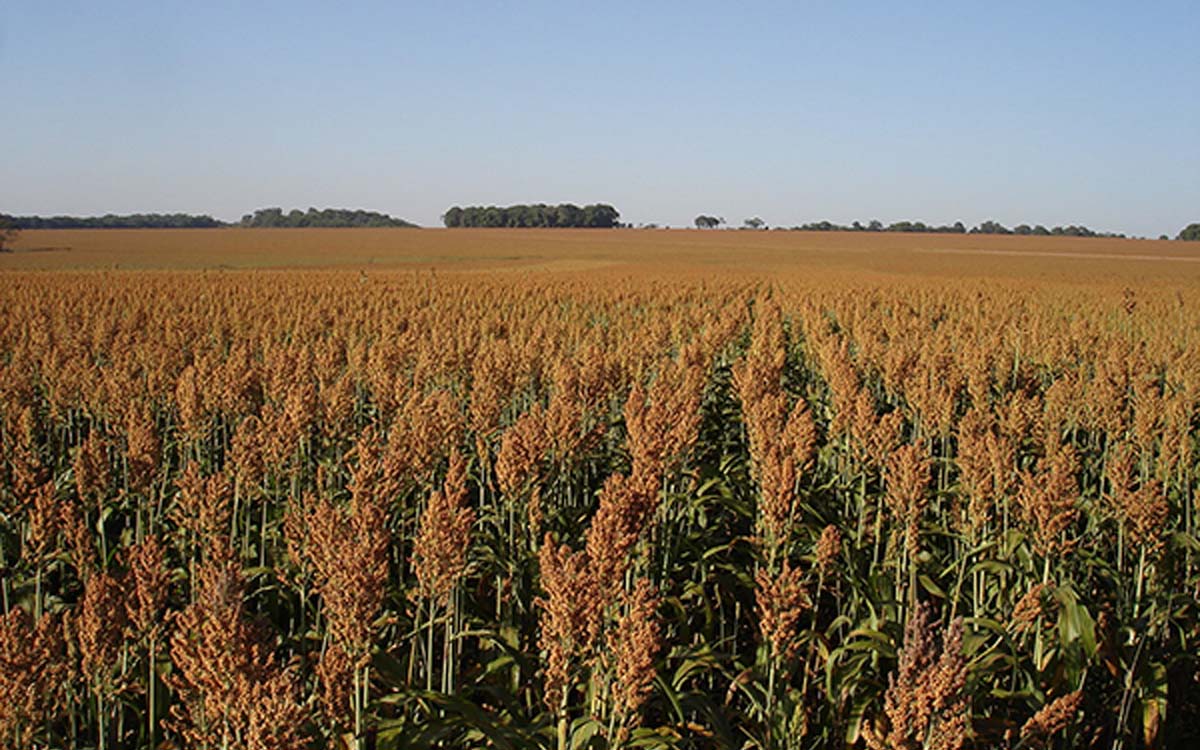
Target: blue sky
[1043,112]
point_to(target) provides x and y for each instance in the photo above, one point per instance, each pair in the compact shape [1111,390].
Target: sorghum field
[573,489]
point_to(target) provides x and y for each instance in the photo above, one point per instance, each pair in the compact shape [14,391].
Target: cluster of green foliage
[877,226]
[564,215]
[1191,232]
[327,217]
[8,231]
[987,227]
[263,217]
[1071,230]
[113,221]
[704,221]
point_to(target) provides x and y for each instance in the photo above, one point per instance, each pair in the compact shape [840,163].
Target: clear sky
[1043,112]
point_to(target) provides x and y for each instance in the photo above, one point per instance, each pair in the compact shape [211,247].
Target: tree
[600,216]
[541,215]
[596,215]
[754,223]
[707,222]
[1190,233]
[8,232]
[991,227]
[493,217]
[320,217]
[568,215]
[267,217]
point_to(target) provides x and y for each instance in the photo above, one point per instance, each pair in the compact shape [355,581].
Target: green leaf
[929,585]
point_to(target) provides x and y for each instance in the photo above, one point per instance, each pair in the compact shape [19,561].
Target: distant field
[574,250]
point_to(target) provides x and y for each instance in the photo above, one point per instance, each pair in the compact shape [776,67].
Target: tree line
[113,221]
[327,217]
[899,226]
[987,227]
[565,215]
[1190,232]
[263,217]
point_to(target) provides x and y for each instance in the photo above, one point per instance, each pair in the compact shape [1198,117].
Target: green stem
[150,692]
[1141,579]
[359,740]
[101,739]
[562,726]
[429,650]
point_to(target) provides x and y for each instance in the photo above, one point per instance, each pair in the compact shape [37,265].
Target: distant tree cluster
[987,227]
[113,221]
[1190,233]
[878,226]
[8,232]
[326,217]
[1071,230]
[596,216]
[704,221]
[264,217]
